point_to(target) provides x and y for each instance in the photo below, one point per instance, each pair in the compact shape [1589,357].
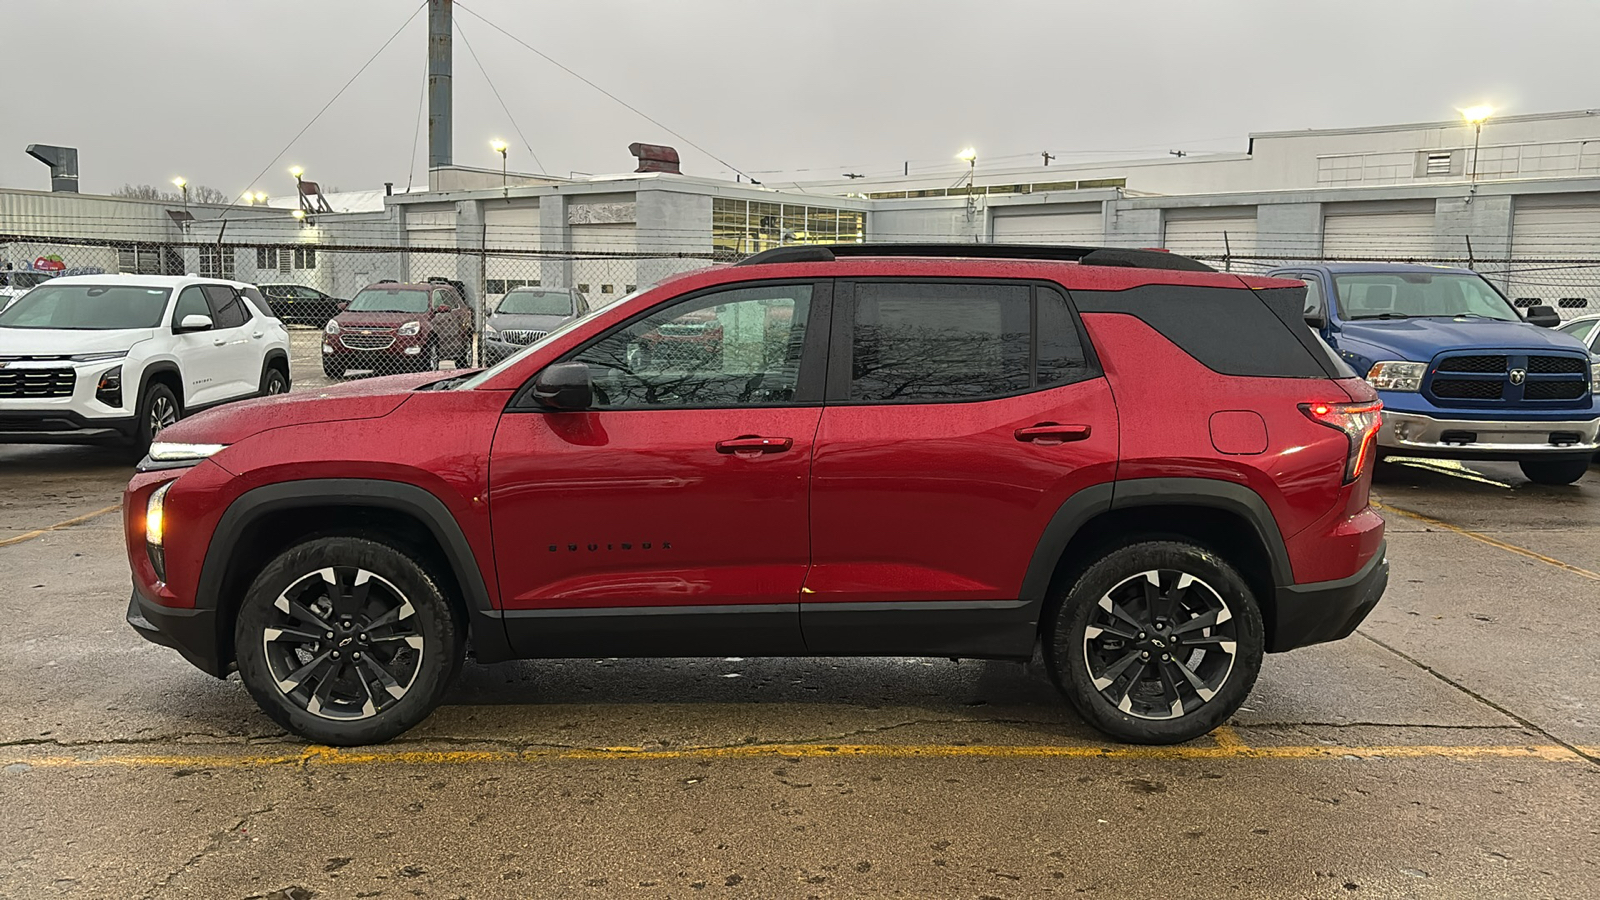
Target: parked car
[118,358]
[1583,328]
[16,282]
[1150,468]
[525,315]
[295,303]
[1461,373]
[390,327]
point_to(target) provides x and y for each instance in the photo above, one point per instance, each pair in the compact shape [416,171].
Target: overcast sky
[214,89]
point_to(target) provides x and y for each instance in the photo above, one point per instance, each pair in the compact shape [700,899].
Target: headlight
[409,329]
[100,357]
[1594,378]
[109,388]
[1397,376]
[332,326]
[161,451]
[489,331]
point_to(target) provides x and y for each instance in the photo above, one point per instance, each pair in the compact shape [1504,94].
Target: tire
[1131,697]
[273,382]
[1555,471]
[393,666]
[430,356]
[331,368]
[158,409]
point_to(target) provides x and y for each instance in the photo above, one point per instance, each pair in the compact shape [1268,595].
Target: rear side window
[1061,357]
[1232,331]
[930,342]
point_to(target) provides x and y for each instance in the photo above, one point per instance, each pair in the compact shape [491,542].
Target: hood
[378,319]
[1421,339]
[66,342]
[526,321]
[369,398]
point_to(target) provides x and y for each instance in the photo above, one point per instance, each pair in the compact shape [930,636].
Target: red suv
[391,327]
[1152,469]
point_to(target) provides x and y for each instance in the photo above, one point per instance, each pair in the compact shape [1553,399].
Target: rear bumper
[1412,433]
[63,427]
[191,632]
[1323,611]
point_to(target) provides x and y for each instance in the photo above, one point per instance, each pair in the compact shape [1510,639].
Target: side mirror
[193,322]
[341,305]
[1543,316]
[564,386]
[442,308]
[1317,320]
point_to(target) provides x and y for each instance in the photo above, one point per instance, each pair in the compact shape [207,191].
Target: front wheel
[1555,471]
[346,641]
[157,410]
[1157,643]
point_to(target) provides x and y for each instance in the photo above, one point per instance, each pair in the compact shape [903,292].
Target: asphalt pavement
[1451,748]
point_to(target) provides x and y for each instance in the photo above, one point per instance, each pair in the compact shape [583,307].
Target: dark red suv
[389,327]
[1153,470]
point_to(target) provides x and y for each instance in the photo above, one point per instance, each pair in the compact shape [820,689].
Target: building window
[216,262]
[608,289]
[150,259]
[305,257]
[583,288]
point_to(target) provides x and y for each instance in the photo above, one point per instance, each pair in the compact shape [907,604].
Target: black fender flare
[488,629]
[1091,501]
[276,356]
[152,370]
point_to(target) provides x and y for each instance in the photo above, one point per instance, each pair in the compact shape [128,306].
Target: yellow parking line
[59,525]
[321,756]
[1485,539]
[1227,738]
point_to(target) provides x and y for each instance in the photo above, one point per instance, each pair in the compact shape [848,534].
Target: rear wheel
[1555,471]
[1157,643]
[344,641]
[273,381]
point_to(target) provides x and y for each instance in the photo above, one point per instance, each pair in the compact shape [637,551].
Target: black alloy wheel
[273,382]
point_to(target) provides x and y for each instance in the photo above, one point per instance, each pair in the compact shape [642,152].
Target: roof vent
[63,163]
[655,158]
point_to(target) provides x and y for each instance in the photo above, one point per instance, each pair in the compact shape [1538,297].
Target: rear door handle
[753,445]
[1046,433]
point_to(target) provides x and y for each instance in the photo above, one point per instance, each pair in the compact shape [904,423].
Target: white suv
[117,358]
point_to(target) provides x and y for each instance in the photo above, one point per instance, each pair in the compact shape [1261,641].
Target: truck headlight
[1594,378]
[155,524]
[409,329]
[1397,376]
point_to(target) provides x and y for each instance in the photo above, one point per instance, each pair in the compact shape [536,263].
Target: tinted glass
[227,307]
[1409,295]
[536,303]
[257,301]
[192,302]
[375,299]
[1061,357]
[732,348]
[83,307]
[930,342]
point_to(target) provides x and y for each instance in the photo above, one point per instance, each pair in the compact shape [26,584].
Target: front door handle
[753,445]
[219,342]
[1049,433]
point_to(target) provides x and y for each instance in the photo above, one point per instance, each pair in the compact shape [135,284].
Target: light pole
[1476,116]
[183,185]
[500,147]
[970,157]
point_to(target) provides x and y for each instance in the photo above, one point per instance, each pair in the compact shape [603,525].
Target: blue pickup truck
[1461,373]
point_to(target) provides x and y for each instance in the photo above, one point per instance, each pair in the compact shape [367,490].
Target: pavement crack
[1581,752]
[217,841]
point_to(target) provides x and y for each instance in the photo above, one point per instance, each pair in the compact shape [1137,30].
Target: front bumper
[191,632]
[1423,435]
[63,426]
[1327,610]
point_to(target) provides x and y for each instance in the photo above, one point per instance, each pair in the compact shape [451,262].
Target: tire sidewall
[146,433]
[1064,655]
[267,378]
[441,631]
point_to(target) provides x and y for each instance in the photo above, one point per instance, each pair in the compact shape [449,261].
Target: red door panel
[629,508]
[948,501]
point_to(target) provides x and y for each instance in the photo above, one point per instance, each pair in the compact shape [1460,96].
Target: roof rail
[1089,256]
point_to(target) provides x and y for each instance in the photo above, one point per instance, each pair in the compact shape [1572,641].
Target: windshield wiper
[1386,316]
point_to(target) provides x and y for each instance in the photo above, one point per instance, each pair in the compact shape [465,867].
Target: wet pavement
[1451,748]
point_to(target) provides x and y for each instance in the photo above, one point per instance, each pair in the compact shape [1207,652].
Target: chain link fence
[355,311]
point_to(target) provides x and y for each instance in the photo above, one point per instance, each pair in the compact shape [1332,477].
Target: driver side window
[740,347]
[192,302]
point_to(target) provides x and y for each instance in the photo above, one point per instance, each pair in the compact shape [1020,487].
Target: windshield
[87,307]
[1406,295]
[401,300]
[522,302]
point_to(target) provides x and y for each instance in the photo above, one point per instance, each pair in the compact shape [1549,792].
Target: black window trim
[177,301]
[841,344]
[813,376]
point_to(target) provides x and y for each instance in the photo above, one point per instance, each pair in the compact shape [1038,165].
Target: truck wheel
[1555,471]
[343,640]
[1156,643]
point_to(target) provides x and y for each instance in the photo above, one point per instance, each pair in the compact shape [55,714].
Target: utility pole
[440,114]
[1047,156]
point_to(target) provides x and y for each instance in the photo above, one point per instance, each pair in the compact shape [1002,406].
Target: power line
[497,96]
[330,102]
[416,136]
[630,107]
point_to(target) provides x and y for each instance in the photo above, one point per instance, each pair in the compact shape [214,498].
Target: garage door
[1087,228]
[513,227]
[1211,237]
[1555,231]
[604,280]
[1405,235]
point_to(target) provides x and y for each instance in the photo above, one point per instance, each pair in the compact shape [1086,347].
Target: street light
[299,214]
[970,157]
[261,196]
[1476,116]
[296,171]
[500,147]
[183,185]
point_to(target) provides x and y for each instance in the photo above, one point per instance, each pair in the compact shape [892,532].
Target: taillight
[1358,421]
